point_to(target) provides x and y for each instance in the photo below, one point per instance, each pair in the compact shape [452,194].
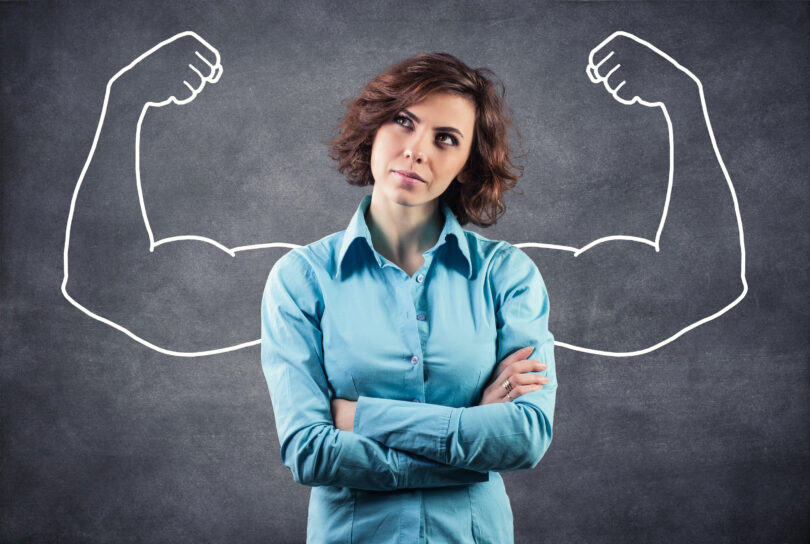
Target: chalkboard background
[104,440]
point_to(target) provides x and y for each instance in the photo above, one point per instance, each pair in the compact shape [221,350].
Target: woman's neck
[402,233]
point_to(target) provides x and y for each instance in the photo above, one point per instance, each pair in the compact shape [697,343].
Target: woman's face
[417,154]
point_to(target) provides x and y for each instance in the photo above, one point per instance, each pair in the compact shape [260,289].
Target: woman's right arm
[316,451]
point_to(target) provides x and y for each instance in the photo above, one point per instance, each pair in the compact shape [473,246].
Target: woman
[381,343]
[367,316]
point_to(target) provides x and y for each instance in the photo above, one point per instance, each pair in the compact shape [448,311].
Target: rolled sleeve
[499,437]
[316,452]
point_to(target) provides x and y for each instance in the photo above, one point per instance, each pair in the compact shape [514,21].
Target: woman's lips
[409,177]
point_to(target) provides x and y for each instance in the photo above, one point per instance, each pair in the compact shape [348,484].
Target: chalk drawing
[593,71]
[214,72]
[210,72]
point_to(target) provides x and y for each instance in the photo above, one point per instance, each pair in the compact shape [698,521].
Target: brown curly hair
[477,194]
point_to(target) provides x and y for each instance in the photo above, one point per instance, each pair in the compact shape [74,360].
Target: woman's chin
[404,196]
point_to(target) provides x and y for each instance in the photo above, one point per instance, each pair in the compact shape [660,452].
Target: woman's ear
[464,176]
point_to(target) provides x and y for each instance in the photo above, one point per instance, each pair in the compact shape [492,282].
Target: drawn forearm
[108,188]
[111,255]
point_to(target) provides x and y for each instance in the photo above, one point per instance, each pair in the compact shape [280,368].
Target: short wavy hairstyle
[477,194]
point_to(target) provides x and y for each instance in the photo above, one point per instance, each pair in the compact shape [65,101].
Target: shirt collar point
[452,227]
[358,229]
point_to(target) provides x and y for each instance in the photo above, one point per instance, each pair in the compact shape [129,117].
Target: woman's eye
[447,139]
[404,121]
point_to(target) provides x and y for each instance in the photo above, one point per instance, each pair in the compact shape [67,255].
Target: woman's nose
[415,156]
[415,148]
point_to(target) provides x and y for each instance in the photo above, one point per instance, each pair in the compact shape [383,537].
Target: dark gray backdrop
[104,440]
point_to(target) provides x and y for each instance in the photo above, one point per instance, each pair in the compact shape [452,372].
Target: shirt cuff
[420,472]
[418,428]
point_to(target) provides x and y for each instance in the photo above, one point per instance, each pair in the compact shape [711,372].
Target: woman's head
[477,194]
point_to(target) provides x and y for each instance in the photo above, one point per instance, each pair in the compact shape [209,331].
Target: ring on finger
[509,396]
[508,386]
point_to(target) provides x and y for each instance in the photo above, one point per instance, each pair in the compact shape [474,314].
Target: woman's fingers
[518,355]
[524,383]
[522,390]
[520,367]
[520,373]
[522,380]
[527,379]
[500,395]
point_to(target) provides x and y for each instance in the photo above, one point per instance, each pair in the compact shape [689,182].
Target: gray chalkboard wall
[104,440]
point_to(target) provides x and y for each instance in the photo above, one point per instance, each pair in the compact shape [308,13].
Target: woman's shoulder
[489,255]
[313,258]
[502,266]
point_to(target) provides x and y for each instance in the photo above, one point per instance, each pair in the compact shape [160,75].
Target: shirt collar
[358,229]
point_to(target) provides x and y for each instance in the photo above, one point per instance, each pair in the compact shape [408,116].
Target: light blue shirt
[339,320]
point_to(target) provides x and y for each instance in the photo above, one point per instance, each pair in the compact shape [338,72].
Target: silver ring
[508,396]
[508,386]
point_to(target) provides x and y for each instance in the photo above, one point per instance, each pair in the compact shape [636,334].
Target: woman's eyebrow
[439,129]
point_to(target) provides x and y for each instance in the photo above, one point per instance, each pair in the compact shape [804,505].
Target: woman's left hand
[343,414]
[519,374]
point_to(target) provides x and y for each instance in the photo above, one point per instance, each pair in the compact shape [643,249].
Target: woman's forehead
[442,108]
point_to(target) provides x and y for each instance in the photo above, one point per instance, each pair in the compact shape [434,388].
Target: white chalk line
[217,73]
[591,71]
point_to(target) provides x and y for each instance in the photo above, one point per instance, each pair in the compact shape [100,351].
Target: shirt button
[414,360]
[421,317]
[420,278]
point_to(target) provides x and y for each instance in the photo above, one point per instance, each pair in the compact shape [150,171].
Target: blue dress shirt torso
[339,320]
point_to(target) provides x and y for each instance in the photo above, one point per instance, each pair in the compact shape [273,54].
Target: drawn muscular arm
[627,295]
[185,295]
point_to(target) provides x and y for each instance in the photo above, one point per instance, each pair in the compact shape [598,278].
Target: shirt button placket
[413,379]
[419,302]
[417,292]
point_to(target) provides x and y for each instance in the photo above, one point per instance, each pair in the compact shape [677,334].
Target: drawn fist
[635,71]
[173,71]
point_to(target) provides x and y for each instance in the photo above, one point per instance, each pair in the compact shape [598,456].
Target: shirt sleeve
[500,437]
[316,451]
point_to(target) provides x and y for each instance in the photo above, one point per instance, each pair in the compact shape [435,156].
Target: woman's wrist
[343,414]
